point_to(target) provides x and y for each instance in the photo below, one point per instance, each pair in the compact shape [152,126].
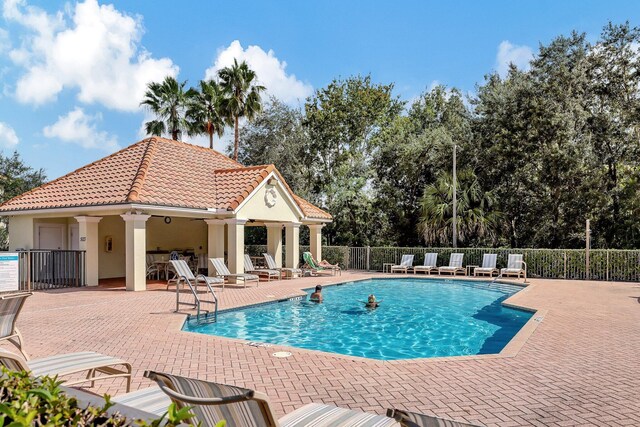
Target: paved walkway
[579,367]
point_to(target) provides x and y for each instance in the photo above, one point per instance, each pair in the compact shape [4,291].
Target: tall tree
[277,136]
[342,119]
[15,178]
[242,96]
[478,221]
[204,112]
[410,152]
[614,125]
[168,100]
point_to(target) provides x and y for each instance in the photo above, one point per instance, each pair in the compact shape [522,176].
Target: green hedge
[604,264]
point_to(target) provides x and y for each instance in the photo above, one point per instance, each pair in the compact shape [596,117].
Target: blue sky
[72,73]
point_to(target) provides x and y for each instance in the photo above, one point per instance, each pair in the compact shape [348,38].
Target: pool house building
[160,195]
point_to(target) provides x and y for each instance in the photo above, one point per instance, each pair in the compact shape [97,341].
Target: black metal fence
[51,269]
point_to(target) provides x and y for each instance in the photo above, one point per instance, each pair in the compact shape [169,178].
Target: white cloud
[5,44]
[8,137]
[98,53]
[270,70]
[508,53]
[80,128]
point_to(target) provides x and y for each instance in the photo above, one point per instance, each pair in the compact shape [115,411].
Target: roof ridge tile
[138,180]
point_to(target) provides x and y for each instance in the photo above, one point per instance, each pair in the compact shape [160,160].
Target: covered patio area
[159,197]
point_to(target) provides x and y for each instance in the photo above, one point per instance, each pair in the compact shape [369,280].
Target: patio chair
[430,264]
[322,265]
[287,273]
[223,271]
[405,264]
[10,307]
[212,402]
[488,266]
[313,267]
[515,267]
[183,272]
[413,419]
[260,272]
[152,267]
[455,265]
[61,365]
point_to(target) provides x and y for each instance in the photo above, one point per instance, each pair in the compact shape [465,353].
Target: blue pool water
[418,318]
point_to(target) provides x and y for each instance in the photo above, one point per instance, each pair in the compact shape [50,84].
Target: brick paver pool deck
[578,367]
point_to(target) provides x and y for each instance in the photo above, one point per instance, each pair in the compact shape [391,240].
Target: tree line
[539,151]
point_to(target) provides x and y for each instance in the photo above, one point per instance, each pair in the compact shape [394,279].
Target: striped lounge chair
[184,273]
[287,273]
[430,264]
[455,265]
[96,366]
[211,402]
[10,307]
[515,267]
[225,274]
[412,419]
[488,265]
[260,272]
[405,264]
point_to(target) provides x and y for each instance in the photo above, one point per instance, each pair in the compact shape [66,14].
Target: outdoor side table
[386,267]
[471,269]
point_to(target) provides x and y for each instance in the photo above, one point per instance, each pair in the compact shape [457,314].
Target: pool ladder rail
[202,316]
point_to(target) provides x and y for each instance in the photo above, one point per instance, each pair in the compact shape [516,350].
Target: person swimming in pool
[317,295]
[372,302]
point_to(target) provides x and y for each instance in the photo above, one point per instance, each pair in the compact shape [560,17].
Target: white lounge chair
[430,264]
[405,264]
[264,272]
[61,365]
[10,307]
[183,272]
[488,266]
[212,402]
[223,271]
[515,267]
[287,273]
[455,265]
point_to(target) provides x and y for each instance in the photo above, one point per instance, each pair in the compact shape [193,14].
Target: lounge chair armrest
[248,395]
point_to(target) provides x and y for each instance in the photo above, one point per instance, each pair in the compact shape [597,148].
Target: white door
[50,236]
[74,237]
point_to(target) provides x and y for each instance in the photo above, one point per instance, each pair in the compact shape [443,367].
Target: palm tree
[205,111]
[168,101]
[476,215]
[242,95]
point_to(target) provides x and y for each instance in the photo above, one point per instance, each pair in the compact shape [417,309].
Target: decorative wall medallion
[270,197]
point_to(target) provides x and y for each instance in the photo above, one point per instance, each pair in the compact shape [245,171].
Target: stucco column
[292,234]
[274,242]
[88,242]
[235,245]
[315,240]
[136,250]
[215,241]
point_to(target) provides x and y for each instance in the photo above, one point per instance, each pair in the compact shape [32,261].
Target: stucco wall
[182,233]
[111,264]
[256,207]
[21,232]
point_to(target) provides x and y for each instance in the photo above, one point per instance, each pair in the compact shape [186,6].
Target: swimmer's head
[372,298]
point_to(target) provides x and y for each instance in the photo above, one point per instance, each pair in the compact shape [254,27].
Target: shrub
[28,401]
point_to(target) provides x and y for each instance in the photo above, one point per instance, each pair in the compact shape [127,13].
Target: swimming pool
[417,318]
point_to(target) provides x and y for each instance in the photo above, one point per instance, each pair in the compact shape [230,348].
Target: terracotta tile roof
[310,210]
[155,171]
